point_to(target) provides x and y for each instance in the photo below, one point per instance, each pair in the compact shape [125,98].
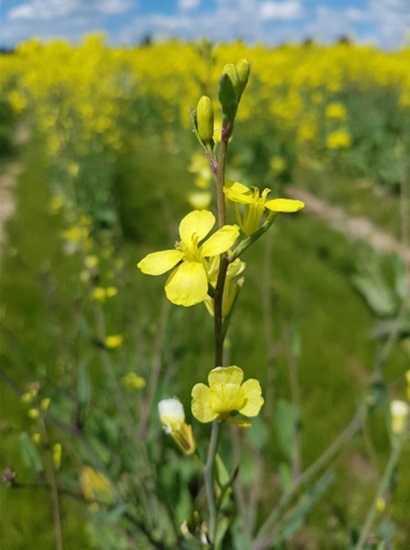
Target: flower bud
[172,416]
[400,413]
[243,70]
[205,119]
[232,72]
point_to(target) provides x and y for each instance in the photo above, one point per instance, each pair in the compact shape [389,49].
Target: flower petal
[284,205]
[221,241]
[198,222]
[226,398]
[187,285]
[243,198]
[225,375]
[160,262]
[253,395]
[201,403]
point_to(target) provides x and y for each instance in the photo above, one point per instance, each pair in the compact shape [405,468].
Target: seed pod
[205,119]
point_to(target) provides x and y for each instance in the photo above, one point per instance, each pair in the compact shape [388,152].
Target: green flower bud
[243,69]
[232,72]
[205,119]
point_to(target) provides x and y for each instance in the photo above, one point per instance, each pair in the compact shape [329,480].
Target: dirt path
[359,228]
[7,182]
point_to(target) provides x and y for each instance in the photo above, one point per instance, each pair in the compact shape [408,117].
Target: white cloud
[52,9]
[188,4]
[272,21]
[289,10]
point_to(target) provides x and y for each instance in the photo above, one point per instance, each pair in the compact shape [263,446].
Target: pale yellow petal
[253,398]
[199,223]
[284,205]
[221,241]
[225,375]
[201,403]
[158,263]
[227,397]
[187,285]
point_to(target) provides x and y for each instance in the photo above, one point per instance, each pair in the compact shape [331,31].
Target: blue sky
[381,22]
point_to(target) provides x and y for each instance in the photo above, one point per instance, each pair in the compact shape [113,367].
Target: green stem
[263,536]
[384,483]
[220,182]
[209,481]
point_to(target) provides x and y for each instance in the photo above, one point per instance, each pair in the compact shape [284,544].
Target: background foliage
[104,180]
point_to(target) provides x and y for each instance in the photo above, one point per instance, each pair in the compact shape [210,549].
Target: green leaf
[285,475]
[295,521]
[83,386]
[377,295]
[287,417]
[30,454]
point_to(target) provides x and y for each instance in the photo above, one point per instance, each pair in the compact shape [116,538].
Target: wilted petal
[158,263]
[187,285]
[254,399]
[198,222]
[201,403]
[284,205]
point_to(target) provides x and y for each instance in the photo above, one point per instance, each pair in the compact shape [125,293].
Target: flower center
[190,249]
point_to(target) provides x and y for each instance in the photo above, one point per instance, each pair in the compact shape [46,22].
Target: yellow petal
[236,187]
[227,397]
[221,241]
[201,403]
[254,399]
[242,198]
[198,222]
[158,263]
[187,285]
[225,375]
[284,205]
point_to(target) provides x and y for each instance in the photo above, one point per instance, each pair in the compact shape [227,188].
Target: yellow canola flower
[172,416]
[255,203]
[187,284]
[225,396]
[114,341]
[95,485]
[56,455]
[339,139]
[336,111]
[133,381]
[100,294]
[200,199]
[400,414]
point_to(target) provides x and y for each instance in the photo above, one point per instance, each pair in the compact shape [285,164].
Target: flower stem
[263,538]
[384,483]
[209,480]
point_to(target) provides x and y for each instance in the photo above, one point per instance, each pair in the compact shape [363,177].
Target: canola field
[107,166]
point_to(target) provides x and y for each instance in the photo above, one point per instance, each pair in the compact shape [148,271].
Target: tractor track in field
[354,227]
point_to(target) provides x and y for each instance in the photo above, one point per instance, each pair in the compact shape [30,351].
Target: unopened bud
[205,119]
[232,72]
[243,68]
